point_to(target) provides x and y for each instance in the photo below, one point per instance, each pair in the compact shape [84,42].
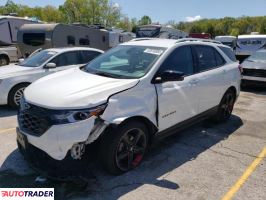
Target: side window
[71,40]
[205,57]
[228,51]
[179,60]
[84,41]
[34,39]
[87,56]
[219,59]
[65,59]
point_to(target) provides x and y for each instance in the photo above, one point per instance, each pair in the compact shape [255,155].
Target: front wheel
[15,95]
[123,148]
[226,106]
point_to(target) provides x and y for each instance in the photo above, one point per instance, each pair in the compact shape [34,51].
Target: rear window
[230,54]
[34,39]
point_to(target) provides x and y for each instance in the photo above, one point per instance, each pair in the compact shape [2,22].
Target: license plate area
[22,139]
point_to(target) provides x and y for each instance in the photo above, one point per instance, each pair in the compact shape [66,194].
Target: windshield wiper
[107,74]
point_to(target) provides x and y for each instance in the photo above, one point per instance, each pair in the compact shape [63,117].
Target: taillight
[240,69]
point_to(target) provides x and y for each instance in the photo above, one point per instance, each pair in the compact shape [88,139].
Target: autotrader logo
[27,193]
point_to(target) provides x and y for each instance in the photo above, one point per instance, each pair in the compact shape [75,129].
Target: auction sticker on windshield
[27,193]
[154,51]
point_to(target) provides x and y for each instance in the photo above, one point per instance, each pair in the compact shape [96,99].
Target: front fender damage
[78,149]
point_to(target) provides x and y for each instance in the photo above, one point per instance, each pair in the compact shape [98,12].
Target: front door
[177,100]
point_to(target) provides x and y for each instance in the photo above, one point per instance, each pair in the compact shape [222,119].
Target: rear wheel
[226,107]
[123,149]
[4,60]
[16,94]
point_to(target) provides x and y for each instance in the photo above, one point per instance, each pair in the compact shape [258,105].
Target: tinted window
[229,53]
[68,58]
[34,39]
[219,59]
[71,40]
[84,41]
[87,56]
[179,60]
[205,56]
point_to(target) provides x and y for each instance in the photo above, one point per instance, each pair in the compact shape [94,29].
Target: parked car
[227,40]
[15,78]
[254,69]
[136,92]
[8,54]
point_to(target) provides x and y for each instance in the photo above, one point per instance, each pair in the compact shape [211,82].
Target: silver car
[16,77]
[254,69]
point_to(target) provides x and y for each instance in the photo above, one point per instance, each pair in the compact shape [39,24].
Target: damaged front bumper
[58,140]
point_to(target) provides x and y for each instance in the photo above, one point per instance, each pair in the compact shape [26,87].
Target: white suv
[16,77]
[123,99]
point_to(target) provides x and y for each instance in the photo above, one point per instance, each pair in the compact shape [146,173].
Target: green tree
[145,20]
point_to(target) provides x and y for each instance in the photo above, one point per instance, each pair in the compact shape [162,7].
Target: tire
[226,106]
[122,149]
[15,95]
[4,60]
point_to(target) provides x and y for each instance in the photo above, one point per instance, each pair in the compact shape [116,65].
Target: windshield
[38,59]
[125,61]
[259,56]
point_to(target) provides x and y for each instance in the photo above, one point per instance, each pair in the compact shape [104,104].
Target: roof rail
[140,39]
[198,39]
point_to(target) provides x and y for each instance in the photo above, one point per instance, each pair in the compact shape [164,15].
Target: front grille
[34,120]
[254,72]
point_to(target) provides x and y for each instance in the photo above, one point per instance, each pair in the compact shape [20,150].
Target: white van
[227,40]
[248,44]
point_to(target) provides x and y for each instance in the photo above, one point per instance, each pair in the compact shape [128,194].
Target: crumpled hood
[13,70]
[74,89]
[254,65]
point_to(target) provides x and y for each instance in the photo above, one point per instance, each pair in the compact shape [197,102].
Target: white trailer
[35,36]
[248,44]
[9,26]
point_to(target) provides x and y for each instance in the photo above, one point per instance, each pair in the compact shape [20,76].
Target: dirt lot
[203,162]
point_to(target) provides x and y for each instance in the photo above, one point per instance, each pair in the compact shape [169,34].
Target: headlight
[70,116]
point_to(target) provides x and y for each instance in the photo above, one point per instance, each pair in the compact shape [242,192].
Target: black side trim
[187,123]
[157,107]
[10,32]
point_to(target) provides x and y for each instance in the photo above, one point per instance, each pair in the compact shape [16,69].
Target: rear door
[177,100]
[211,76]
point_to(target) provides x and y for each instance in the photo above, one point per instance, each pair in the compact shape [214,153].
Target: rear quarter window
[229,52]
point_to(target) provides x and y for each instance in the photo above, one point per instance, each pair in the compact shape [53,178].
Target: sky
[163,11]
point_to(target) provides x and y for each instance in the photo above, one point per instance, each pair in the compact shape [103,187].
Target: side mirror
[49,66]
[169,75]
[21,60]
